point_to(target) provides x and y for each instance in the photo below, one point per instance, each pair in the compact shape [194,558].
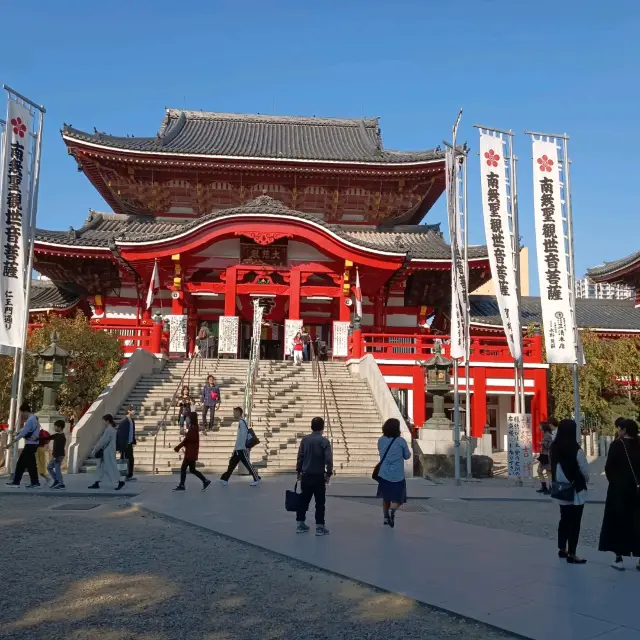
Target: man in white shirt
[27,460]
[240,452]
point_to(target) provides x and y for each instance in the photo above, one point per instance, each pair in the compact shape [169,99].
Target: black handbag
[292,499]
[99,454]
[564,491]
[633,473]
[252,439]
[376,470]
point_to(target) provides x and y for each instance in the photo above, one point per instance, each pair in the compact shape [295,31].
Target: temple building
[625,271]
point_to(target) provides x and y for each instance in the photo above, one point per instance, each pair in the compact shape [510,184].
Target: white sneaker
[224,483]
[618,565]
[255,483]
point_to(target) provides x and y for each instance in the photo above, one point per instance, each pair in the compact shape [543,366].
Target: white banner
[228,335]
[519,450]
[458,288]
[291,327]
[555,300]
[14,225]
[177,333]
[500,238]
[340,339]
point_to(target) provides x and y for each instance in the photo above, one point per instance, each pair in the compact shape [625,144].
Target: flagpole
[33,212]
[467,323]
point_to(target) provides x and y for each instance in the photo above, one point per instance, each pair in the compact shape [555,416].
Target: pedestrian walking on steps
[126,440]
[620,533]
[315,468]
[570,472]
[191,445]
[184,404]
[240,452]
[305,336]
[544,459]
[27,460]
[210,402]
[298,347]
[392,486]
[105,452]
[54,467]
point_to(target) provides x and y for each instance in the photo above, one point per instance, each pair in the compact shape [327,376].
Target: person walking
[210,398]
[544,459]
[54,467]
[240,452]
[620,532]
[105,451]
[392,486]
[305,336]
[184,403]
[297,349]
[570,472]
[126,440]
[203,340]
[41,454]
[27,460]
[191,445]
[314,467]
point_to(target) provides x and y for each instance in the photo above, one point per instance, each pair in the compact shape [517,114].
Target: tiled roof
[419,241]
[611,267]
[614,315]
[261,136]
[46,295]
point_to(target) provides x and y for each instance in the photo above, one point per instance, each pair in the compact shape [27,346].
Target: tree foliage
[601,398]
[95,359]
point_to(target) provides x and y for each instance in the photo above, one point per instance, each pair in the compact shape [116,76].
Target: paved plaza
[504,573]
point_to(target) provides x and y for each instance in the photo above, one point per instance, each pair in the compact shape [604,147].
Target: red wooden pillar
[356,341]
[230,291]
[155,345]
[419,397]
[294,295]
[539,404]
[379,313]
[479,402]
[344,312]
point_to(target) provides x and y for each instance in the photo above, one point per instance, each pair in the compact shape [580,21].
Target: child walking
[54,467]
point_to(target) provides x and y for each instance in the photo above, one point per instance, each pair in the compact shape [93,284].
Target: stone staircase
[286,398]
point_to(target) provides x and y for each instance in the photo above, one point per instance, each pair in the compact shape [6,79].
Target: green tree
[95,359]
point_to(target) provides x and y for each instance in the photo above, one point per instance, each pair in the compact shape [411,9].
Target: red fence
[385,346]
[145,334]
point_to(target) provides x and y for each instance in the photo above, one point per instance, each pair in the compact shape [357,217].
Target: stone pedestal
[436,455]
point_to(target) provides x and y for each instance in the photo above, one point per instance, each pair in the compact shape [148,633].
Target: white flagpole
[466,316]
[33,211]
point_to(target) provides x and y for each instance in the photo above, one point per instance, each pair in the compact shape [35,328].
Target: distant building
[587,288]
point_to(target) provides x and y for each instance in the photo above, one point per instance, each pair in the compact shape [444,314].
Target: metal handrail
[317,374]
[162,424]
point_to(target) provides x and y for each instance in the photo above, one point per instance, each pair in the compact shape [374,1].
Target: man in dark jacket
[126,440]
[315,468]
[210,402]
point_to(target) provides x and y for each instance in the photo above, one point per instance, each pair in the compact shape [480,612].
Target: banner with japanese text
[551,248]
[519,445]
[14,225]
[500,239]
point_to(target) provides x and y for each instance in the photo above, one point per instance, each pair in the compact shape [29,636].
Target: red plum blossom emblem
[492,158]
[19,127]
[545,163]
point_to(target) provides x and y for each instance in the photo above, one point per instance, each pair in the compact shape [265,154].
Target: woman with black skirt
[570,472]
[620,533]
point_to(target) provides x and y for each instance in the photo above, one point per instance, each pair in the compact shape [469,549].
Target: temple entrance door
[272,330]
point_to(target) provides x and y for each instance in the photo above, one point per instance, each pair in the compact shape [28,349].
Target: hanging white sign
[228,335]
[500,238]
[519,449]
[14,225]
[552,250]
[291,328]
[340,339]
[177,333]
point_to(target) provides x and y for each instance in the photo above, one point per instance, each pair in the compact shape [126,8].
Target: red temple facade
[233,207]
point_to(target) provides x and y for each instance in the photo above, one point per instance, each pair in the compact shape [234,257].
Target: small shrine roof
[592,313]
[101,229]
[46,295]
[609,268]
[206,133]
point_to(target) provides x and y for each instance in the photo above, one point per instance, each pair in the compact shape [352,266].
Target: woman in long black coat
[620,532]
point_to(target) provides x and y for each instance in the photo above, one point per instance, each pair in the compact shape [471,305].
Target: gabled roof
[611,315]
[101,229]
[610,268]
[46,295]
[206,133]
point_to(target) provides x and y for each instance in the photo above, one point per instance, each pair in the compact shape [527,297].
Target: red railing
[145,334]
[384,346]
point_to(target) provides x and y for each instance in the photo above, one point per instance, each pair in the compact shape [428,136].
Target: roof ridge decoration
[614,265]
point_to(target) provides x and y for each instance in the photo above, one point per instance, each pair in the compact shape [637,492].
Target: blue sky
[566,66]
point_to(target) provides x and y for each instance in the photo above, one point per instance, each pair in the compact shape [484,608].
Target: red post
[419,397]
[356,341]
[479,402]
[155,343]
[230,291]
[294,295]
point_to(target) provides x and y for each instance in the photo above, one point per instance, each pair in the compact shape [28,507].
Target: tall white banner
[551,247]
[500,238]
[519,445]
[14,223]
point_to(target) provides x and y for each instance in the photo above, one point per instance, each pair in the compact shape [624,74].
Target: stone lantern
[438,384]
[52,372]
